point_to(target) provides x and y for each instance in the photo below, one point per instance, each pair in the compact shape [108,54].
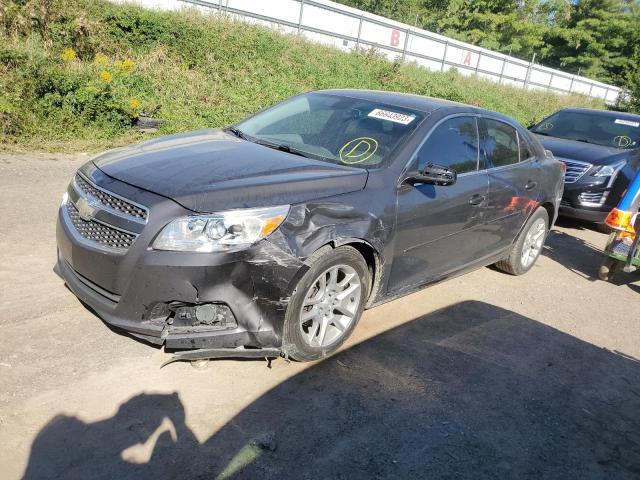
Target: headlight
[231,230]
[609,170]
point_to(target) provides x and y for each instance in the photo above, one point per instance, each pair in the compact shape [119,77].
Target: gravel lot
[483,376]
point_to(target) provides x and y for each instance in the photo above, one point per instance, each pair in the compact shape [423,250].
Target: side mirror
[435,175]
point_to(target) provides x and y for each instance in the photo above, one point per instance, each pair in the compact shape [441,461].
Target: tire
[516,263]
[145,123]
[608,268]
[316,324]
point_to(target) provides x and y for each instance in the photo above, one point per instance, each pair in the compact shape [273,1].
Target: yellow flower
[105,76]
[92,89]
[134,103]
[100,59]
[127,65]
[69,55]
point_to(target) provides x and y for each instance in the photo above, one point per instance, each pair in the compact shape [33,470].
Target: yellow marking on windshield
[358,150]
[622,141]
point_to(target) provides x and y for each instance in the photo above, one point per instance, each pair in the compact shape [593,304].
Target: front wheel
[528,246]
[326,304]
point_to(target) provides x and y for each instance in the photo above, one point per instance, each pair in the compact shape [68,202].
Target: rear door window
[501,143]
[452,144]
[525,149]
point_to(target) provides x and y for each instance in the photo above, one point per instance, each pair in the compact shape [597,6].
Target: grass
[78,82]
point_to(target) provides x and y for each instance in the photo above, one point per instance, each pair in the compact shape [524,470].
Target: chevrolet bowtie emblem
[86,209]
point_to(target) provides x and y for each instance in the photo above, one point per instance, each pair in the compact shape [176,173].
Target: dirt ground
[483,376]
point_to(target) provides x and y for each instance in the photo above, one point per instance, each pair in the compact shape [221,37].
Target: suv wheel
[528,246]
[326,304]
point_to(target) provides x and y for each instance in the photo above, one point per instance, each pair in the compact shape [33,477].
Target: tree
[598,38]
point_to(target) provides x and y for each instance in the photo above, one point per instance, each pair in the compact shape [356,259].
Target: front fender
[330,224]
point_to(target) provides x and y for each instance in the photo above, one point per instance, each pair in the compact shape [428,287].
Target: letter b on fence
[395,38]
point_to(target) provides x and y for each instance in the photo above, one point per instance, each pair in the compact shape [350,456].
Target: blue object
[630,201]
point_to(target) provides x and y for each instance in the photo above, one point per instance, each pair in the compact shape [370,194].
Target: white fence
[348,28]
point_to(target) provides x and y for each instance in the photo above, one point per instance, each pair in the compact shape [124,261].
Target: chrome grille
[586,197]
[109,200]
[575,169]
[99,233]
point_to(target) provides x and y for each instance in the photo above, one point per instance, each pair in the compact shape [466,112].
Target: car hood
[581,151]
[211,170]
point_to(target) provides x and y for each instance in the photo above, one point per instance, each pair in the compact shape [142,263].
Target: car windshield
[610,131]
[332,128]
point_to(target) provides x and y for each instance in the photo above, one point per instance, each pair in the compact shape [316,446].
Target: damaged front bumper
[182,300]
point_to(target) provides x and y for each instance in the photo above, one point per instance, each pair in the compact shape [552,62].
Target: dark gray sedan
[273,235]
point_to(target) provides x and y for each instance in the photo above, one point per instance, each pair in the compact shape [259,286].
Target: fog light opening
[190,317]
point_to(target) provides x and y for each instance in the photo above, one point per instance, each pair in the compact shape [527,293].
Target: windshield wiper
[583,140]
[276,146]
[282,148]
[238,133]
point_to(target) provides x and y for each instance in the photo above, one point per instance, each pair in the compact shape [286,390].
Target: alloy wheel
[533,242]
[330,306]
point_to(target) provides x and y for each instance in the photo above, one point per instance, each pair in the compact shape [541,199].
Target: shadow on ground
[573,253]
[470,391]
[574,223]
[581,257]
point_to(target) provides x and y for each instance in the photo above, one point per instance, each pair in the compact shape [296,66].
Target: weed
[79,81]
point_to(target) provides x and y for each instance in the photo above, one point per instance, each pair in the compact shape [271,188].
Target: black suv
[601,150]
[276,233]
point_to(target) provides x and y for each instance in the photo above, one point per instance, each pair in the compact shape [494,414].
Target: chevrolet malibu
[276,233]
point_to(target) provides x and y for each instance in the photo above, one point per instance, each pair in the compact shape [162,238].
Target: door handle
[477,200]
[530,185]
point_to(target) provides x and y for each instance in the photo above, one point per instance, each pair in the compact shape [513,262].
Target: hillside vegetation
[75,74]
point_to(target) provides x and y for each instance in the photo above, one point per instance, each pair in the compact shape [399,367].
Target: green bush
[78,80]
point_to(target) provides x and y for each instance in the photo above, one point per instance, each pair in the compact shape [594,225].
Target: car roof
[420,103]
[604,113]
[406,100]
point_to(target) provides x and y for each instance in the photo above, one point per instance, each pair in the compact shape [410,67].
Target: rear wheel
[326,304]
[528,246]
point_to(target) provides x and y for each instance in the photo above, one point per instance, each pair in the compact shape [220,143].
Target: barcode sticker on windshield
[628,123]
[392,116]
